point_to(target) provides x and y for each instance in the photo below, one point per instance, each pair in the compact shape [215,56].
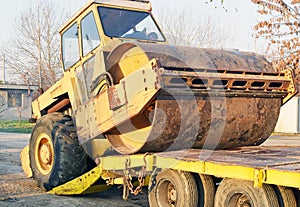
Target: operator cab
[104,23]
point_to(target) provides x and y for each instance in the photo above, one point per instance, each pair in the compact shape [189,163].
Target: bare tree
[187,29]
[281,26]
[20,111]
[34,50]
[3,104]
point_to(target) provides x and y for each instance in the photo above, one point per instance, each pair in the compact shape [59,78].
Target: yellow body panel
[49,97]
[92,120]
[132,59]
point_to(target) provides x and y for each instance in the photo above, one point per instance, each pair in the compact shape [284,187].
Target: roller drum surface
[175,120]
[211,123]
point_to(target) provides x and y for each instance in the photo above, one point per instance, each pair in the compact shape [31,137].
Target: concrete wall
[13,113]
[288,121]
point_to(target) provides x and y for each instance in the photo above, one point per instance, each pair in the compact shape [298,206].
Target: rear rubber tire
[55,154]
[206,190]
[297,196]
[174,189]
[232,193]
[285,196]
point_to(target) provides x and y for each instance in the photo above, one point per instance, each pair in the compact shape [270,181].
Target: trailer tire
[55,154]
[174,188]
[232,193]
[206,190]
[285,196]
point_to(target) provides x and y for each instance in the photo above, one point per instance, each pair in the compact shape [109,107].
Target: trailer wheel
[206,190]
[55,154]
[285,196]
[174,189]
[233,193]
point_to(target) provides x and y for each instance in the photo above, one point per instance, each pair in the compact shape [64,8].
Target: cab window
[70,47]
[89,34]
[129,24]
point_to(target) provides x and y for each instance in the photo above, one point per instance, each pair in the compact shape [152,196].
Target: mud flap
[24,156]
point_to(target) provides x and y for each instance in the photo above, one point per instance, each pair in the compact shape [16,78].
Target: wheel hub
[243,201]
[172,194]
[46,154]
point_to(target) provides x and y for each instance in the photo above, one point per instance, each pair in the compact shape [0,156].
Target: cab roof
[135,4]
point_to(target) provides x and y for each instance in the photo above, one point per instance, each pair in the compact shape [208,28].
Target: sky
[239,17]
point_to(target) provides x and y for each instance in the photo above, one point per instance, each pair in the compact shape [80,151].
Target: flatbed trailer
[263,167]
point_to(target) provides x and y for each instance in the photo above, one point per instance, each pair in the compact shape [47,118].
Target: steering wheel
[152,36]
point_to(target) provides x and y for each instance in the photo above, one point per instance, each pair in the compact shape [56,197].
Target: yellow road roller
[127,92]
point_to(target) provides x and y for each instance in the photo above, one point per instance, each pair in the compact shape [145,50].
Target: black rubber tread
[297,196]
[285,196]
[259,197]
[271,195]
[206,190]
[185,185]
[70,160]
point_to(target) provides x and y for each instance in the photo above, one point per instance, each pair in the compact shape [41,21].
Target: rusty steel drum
[213,99]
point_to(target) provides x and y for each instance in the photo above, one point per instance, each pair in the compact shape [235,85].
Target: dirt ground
[17,190]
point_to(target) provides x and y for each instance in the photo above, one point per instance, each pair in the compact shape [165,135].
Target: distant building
[15,101]
[289,119]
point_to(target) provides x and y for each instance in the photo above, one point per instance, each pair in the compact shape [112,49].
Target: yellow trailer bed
[261,165]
